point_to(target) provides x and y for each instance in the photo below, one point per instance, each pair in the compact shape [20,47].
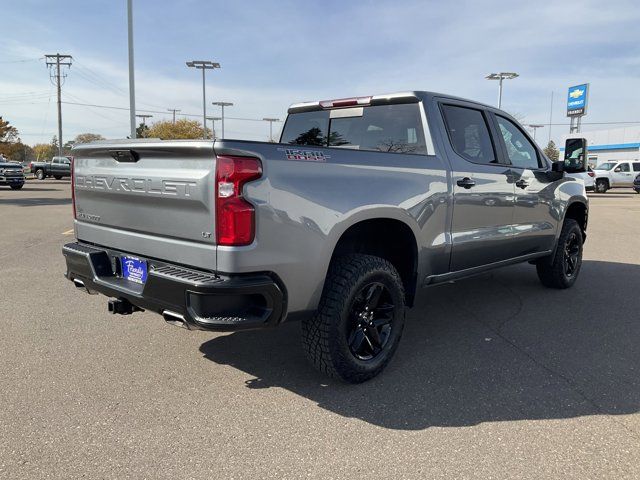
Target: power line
[160,111]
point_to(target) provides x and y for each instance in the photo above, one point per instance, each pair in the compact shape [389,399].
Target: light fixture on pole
[203,65]
[534,127]
[500,77]
[271,120]
[222,105]
[213,125]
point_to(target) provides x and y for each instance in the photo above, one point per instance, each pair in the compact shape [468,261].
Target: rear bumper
[199,300]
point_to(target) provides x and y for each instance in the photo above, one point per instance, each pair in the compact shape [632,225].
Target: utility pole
[534,127]
[271,120]
[222,105]
[132,81]
[58,61]
[174,110]
[213,125]
[500,77]
[144,118]
[203,65]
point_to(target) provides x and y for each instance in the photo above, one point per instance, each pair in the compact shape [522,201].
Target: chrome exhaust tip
[174,319]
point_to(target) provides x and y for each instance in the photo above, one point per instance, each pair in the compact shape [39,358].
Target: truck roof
[380,99]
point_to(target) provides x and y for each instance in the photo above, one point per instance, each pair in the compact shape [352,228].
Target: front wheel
[16,187]
[561,270]
[359,322]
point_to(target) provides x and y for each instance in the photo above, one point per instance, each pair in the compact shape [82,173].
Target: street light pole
[500,77]
[132,81]
[222,105]
[203,65]
[271,120]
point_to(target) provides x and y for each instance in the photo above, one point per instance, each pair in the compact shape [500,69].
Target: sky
[274,53]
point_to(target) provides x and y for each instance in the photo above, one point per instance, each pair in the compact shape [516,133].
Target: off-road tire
[552,271]
[325,335]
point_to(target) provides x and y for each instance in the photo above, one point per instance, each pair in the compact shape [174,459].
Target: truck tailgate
[150,197]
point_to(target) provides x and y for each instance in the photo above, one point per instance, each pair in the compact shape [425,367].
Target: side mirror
[575,153]
[618,169]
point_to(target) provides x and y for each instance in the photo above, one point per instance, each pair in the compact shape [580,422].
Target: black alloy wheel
[371,314]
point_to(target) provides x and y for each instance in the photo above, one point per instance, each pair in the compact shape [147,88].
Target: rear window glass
[636,167]
[382,128]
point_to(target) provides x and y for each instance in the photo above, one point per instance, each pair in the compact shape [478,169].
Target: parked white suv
[615,174]
[588,178]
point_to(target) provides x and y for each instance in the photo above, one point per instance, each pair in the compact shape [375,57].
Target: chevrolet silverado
[362,204]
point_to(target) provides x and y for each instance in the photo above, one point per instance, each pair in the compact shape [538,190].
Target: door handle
[522,184]
[466,182]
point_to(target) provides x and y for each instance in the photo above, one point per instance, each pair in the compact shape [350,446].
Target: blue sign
[577,100]
[134,269]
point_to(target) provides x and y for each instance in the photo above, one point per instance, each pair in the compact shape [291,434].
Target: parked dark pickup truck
[57,168]
[362,203]
[11,174]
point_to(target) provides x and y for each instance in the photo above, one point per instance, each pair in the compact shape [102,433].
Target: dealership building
[610,145]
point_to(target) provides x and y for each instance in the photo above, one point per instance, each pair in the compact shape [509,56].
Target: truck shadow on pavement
[34,202]
[498,347]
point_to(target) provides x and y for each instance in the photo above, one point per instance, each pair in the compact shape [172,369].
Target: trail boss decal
[305,155]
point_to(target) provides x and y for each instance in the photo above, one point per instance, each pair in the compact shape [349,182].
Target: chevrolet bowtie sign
[577,100]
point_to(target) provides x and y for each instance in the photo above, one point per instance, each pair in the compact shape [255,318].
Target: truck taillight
[73,187]
[235,216]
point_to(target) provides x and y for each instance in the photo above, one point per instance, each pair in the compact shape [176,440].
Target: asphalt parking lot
[496,376]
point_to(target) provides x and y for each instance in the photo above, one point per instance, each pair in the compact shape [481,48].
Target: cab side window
[520,150]
[636,167]
[623,167]
[469,134]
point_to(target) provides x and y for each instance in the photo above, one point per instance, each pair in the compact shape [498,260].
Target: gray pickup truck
[57,168]
[363,203]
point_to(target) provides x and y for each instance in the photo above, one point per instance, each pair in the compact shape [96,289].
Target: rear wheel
[16,187]
[561,270]
[359,322]
[57,177]
[40,174]
[601,186]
